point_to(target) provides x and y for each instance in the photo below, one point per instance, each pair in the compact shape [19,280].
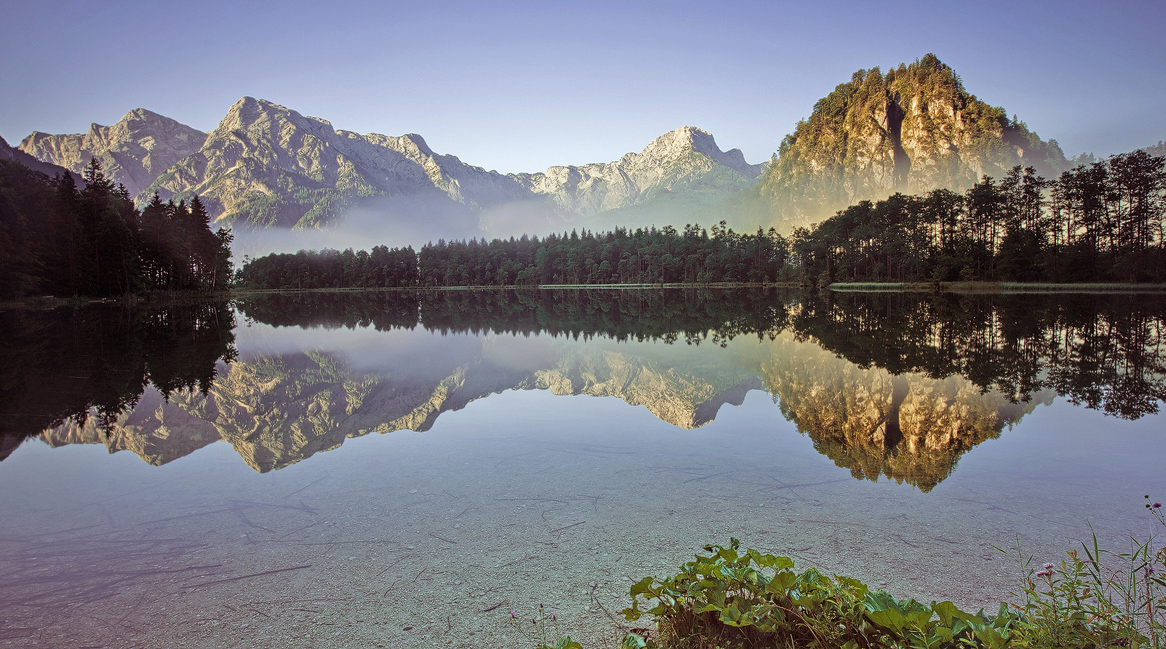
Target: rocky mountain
[16,155]
[682,164]
[911,130]
[266,165]
[133,152]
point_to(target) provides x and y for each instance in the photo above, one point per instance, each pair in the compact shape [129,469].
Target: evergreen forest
[1102,222]
[62,240]
[642,256]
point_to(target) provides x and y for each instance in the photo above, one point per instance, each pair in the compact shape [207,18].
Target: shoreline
[988,288]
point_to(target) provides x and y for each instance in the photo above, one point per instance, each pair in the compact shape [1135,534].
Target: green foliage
[729,598]
[642,256]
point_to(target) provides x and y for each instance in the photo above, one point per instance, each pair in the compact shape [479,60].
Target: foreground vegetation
[730,598]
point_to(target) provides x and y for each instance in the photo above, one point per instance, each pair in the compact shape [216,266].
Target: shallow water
[546,470]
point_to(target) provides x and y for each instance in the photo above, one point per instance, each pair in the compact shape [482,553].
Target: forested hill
[58,239]
[912,129]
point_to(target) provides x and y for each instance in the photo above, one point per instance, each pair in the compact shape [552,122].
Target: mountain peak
[681,141]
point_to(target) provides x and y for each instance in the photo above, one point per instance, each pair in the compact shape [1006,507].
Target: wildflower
[512,614]
[1048,566]
[1157,505]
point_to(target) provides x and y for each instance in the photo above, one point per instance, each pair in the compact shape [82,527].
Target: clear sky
[521,86]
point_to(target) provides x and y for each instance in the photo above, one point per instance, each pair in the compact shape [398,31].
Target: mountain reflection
[886,385]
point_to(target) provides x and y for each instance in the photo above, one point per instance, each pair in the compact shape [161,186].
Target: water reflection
[81,365]
[886,385]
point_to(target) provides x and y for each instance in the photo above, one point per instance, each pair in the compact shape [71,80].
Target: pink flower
[1048,566]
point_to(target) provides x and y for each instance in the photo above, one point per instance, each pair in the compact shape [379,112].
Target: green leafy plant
[730,598]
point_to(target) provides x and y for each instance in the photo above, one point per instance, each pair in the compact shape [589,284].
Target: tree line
[621,256]
[58,239]
[1105,221]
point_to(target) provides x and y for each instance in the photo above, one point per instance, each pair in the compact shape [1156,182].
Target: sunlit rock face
[910,428]
[910,130]
[133,152]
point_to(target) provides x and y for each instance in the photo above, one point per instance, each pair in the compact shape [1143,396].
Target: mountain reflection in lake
[517,494]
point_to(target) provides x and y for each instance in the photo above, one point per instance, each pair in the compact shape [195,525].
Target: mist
[397,222]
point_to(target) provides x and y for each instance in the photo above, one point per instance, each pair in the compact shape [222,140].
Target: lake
[404,469]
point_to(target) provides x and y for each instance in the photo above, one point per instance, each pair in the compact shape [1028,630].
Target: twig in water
[258,574]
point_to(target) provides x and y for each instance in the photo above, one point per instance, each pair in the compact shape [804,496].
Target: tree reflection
[1101,351]
[71,364]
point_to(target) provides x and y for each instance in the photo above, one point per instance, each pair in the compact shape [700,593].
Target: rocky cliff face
[685,162]
[911,130]
[133,152]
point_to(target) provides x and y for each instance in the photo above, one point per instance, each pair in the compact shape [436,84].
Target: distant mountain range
[913,129]
[269,166]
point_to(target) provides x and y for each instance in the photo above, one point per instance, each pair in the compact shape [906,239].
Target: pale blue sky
[519,86]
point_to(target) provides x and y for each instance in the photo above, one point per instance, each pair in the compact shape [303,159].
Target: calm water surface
[397,470]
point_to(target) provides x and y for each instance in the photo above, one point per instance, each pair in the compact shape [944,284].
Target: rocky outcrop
[133,152]
[267,165]
[911,130]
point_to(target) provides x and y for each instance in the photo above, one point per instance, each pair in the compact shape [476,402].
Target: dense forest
[1105,221]
[642,256]
[58,239]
